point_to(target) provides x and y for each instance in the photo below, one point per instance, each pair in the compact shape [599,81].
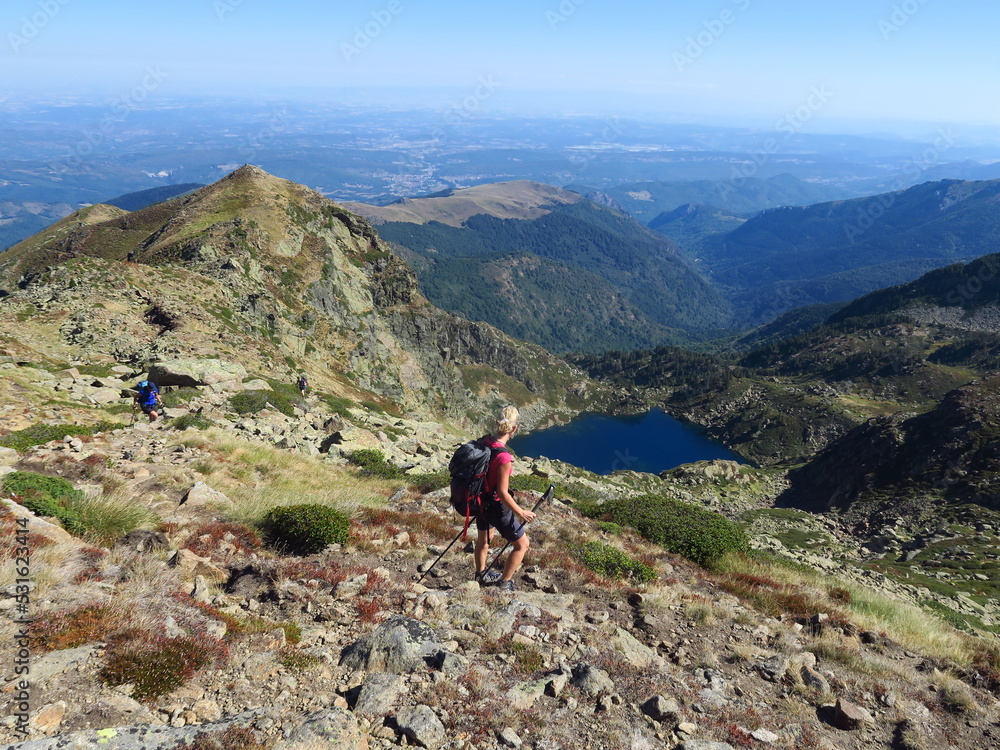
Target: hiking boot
[506,586]
[487,577]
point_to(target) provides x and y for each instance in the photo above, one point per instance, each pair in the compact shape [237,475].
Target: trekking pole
[132,423]
[547,497]
[440,556]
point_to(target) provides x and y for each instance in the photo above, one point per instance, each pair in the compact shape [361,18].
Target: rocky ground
[355,647]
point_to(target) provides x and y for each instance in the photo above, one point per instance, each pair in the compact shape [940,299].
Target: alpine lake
[651,442]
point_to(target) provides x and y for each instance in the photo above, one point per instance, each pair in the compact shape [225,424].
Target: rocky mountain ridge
[263,272]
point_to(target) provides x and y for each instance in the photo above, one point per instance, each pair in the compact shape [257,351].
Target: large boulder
[145,736]
[196,372]
[331,728]
[201,494]
[400,645]
[8,456]
[38,525]
[422,726]
[378,694]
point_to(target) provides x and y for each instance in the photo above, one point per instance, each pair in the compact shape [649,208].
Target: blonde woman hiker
[501,513]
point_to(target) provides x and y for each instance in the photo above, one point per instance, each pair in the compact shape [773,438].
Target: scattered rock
[40,526]
[508,738]
[421,725]
[143,540]
[190,565]
[47,719]
[592,680]
[332,728]
[633,651]
[774,668]
[661,709]
[849,717]
[201,494]
[377,695]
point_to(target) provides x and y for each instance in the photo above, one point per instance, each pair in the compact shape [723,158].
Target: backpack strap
[494,452]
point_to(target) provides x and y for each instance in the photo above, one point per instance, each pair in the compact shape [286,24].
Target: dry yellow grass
[914,628]
[257,478]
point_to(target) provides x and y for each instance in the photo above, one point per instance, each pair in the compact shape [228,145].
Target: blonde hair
[507,420]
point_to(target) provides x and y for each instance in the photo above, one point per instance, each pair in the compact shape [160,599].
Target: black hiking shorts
[498,516]
[147,408]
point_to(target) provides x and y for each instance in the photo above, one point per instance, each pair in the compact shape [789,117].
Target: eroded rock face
[196,372]
[400,645]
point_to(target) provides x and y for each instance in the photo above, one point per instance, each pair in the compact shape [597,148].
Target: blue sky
[760,60]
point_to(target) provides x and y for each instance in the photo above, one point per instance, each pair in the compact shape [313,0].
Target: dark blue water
[650,442]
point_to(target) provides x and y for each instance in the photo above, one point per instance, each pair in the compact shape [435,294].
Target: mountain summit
[269,274]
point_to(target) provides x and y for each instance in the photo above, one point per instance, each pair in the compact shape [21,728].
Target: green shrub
[251,402]
[684,529]
[196,421]
[305,528]
[373,464]
[177,397]
[337,404]
[24,440]
[610,528]
[45,496]
[611,562]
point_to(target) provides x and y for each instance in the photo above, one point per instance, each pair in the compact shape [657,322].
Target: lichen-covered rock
[592,680]
[332,728]
[378,694]
[421,725]
[400,645]
[145,736]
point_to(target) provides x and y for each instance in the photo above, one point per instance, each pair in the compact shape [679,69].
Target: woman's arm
[504,496]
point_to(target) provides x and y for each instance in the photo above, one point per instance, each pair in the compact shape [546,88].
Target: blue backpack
[147,392]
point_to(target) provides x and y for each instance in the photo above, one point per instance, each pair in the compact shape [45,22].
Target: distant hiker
[500,511]
[148,398]
[303,384]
